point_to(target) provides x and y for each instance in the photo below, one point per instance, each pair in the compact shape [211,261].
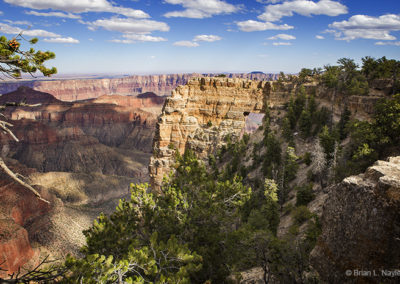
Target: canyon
[82,89]
[81,156]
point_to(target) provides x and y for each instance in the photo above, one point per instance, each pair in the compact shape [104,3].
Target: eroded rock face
[361,227]
[201,114]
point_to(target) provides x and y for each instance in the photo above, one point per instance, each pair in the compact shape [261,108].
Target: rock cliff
[360,239]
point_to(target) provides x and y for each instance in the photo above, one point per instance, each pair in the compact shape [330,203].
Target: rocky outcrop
[360,241]
[201,114]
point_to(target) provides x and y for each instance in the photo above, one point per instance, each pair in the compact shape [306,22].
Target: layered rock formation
[202,113]
[93,136]
[360,239]
[82,89]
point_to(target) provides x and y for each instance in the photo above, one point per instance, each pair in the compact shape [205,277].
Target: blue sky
[179,36]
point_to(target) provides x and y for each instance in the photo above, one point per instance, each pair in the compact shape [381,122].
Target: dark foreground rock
[360,241]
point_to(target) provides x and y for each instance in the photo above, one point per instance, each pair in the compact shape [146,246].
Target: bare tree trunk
[21,182]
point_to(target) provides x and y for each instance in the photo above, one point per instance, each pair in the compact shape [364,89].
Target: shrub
[304,194]
[301,214]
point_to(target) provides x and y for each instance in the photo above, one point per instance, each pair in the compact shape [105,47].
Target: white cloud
[7,29]
[395,43]
[79,6]
[1,12]
[252,26]
[18,23]
[142,37]
[366,34]
[125,41]
[186,43]
[128,25]
[283,37]
[303,7]
[269,1]
[281,43]
[384,22]
[366,27]
[209,38]
[319,37]
[199,9]
[53,14]
[61,40]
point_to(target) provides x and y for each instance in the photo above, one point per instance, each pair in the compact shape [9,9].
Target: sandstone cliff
[361,227]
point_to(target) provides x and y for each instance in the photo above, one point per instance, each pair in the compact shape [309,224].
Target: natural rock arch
[200,114]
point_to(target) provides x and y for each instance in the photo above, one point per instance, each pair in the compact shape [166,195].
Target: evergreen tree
[15,61]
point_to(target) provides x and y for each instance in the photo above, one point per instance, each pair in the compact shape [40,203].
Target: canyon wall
[82,89]
[361,227]
[81,137]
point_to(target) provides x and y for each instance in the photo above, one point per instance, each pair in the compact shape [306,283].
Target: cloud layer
[199,9]
[302,7]
[186,43]
[79,6]
[366,27]
[253,26]
[275,12]
[129,25]
[61,40]
[282,37]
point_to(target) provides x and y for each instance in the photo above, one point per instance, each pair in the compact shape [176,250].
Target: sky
[204,36]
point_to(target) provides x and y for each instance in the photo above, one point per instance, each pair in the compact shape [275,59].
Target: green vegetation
[304,194]
[15,61]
